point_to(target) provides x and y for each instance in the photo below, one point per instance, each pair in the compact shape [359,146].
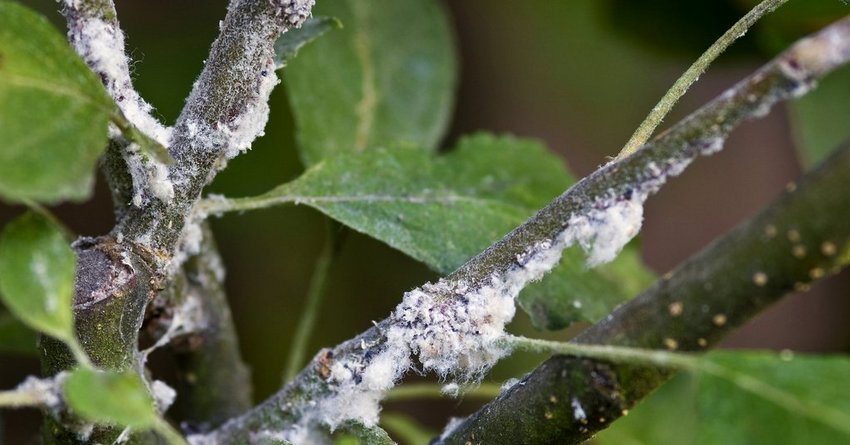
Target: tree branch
[454,326]
[225,112]
[215,382]
[690,309]
[119,274]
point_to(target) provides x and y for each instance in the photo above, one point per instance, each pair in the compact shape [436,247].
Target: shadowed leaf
[388,76]
[37,275]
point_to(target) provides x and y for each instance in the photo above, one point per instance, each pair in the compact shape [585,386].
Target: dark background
[578,74]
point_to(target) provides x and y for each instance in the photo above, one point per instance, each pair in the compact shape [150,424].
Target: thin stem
[647,127]
[614,354]
[79,353]
[683,362]
[315,295]
[417,391]
[168,433]
[148,145]
[19,398]
[217,205]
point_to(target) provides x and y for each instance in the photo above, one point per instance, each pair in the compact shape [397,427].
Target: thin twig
[17,398]
[608,353]
[33,393]
[680,87]
[417,391]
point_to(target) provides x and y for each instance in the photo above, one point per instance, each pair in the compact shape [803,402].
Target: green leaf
[53,112]
[37,275]
[110,398]
[444,209]
[820,118]
[748,398]
[804,400]
[668,416]
[388,76]
[16,337]
[286,47]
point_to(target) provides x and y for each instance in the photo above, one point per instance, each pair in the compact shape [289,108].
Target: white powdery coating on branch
[150,177]
[101,45]
[236,136]
[451,426]
[249,125]
[816,55]
[602,233]
[189,243]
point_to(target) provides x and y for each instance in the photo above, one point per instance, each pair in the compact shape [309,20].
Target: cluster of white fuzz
[163,395]
[189,244]
[236,136]
[149,176]
[252,121]
[603,232]
[294,12]
[49,390]
[452,328]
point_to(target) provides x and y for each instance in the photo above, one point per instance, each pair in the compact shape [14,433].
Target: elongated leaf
[53,112]
[747,398]
[801,401]
[442,210]
[388,76]
[286,47]
[110,398]
[37,275]
[16,337]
